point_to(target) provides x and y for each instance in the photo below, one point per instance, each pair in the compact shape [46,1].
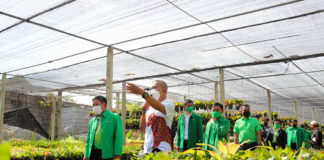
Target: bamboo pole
[109,78]
[2,102]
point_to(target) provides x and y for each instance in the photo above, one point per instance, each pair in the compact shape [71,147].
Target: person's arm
[200,130]
[87,146]
[118,138]
[236,131]
[131,88]
[259,137]
[314,139]
[236,137]
[142,124]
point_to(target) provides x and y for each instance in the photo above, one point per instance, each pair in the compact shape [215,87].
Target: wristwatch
[145,95]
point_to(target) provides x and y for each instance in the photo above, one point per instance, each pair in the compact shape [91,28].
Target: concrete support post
[117,102]
[59,117]
[222,87]
[52,123]
[2,102]
[296,109]
[216,95]
[109,78]
[269,107]
[124,111]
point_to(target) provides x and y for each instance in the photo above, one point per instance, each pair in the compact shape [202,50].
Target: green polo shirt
[294,136]
[247,129]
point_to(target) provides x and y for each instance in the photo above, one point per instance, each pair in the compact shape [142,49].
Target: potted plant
[176,106]
[181,106]
[202,104]
[229,103]
[197,104]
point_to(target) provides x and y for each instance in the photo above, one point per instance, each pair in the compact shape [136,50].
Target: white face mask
[155,94]
[97,110]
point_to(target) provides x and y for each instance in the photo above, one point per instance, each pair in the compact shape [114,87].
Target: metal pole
[117,102]
[52,126]
[216,98]
[269,107]
[313,114]
[59,117]
[124,111]
[109,78]
[2,103]
[296,109]
[222,86]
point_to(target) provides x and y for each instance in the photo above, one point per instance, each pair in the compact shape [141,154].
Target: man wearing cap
[189,131]
[217,128]
[316,136]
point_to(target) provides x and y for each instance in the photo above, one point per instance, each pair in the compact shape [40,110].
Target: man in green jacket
[295,135]
[307,135]
[189,131]
[217,128]
[105,133]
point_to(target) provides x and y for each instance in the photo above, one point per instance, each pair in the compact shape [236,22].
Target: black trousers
[185,146]
[247,146]
[293,146]
[96,155]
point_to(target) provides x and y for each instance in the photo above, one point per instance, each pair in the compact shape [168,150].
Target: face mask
[216,114]
[246,113]
[189,109]
[97,110]
[294,125]
[277,125]
[155,94]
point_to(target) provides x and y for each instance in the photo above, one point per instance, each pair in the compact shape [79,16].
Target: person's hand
[146,106]
[85,158]
[116,157]
[103,80]
[131,88]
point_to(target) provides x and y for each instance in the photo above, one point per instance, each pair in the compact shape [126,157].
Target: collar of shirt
[245,119]
[222,118]
[188,116]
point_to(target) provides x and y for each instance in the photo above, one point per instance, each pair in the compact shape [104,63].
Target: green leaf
[4,151]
